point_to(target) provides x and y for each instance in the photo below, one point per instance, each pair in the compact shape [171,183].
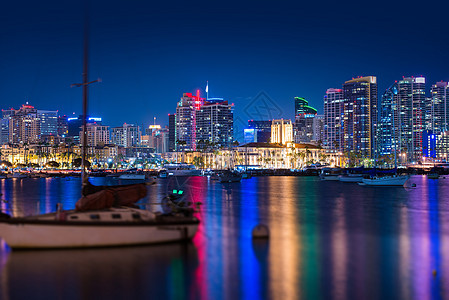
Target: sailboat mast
[85,91]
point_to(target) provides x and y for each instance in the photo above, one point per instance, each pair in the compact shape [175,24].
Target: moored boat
[181,169]
[229,176]
[115,226]
[395,180]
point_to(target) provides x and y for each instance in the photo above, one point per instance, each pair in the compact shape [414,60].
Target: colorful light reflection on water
[329,240]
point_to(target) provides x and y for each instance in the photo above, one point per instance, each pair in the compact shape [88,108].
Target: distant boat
[229,176]
[18,175]
[386,180]
[332,174]
[433,176]
[182,169]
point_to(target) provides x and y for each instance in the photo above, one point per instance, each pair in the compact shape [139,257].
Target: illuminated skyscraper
[360,115]
[333,119]
[214,124]
[262,130]
[439,115]
[128,135]
[186,118]
[402,118]
[304,121]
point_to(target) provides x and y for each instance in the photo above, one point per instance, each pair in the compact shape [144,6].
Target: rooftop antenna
[207,90]
[85,85]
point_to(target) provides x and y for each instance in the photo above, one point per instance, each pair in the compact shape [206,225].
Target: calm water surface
[329,240]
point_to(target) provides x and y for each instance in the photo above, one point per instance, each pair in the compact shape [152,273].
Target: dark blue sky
[148,54]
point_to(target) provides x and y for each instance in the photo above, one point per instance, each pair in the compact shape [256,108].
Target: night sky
[148,54]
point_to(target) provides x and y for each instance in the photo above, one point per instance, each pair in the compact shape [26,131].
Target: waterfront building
[186,120]
[387,136]
[439,111]
[281,131]
[128,135]
[360,115]
[4,137]
[262,130]
[214,124]
[402,119]
[333,120]
[442,146]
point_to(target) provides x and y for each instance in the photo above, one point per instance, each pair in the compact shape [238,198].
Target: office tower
[304,115]
[214,124]
[63,126]
[74,125]
[318,129]
[333,119]
[360,115]
[186,110]
[48,122]
[128,135]
[439,112]
[262,130]
[249,135]
[171,132]
[402,119]
[281,131]
[97,135]
[24,125]
[159,139]
[387,135]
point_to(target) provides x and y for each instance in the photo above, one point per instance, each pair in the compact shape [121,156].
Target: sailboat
[104,216]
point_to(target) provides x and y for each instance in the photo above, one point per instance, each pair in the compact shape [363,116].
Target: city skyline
[148,55]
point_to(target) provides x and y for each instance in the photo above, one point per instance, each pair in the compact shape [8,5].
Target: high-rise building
[214,124]
[24,125]
[439,113]
[74,125]
[318,129]
[360,115]
[386,134]
[304,115]
[63,126]
[262,130]
[128,135]
[159,139]
[186,119]
[281,131]
[403,119]
[48,122]
[97,135]
[333,119]
[171,132]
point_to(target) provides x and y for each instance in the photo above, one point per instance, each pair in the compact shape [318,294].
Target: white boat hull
[343,178]
[386,181]
[184,172]
[132,176]
[60,235]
